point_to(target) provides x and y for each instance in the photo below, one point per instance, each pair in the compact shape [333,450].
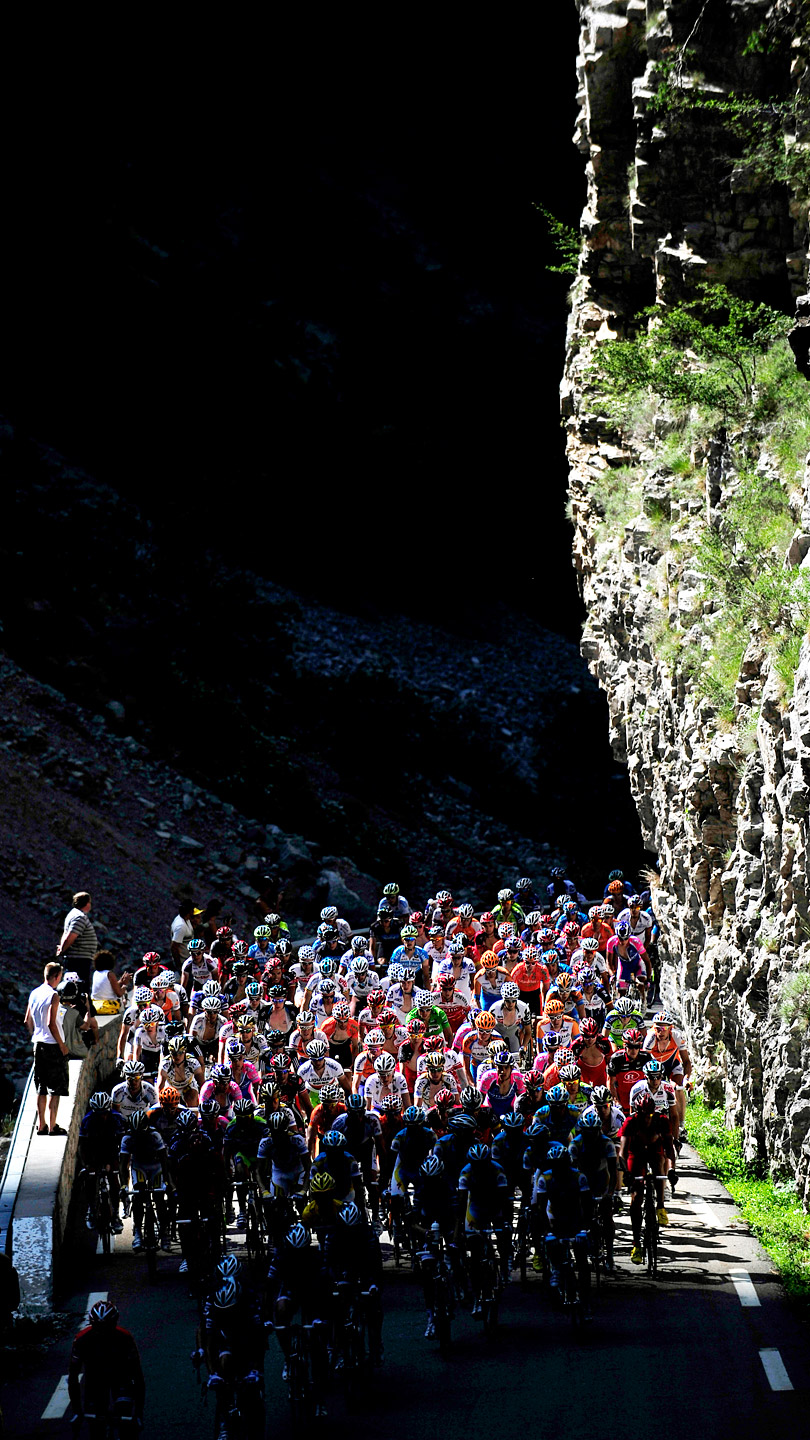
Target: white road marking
[778,1378]
[743,1284]
[59,1401]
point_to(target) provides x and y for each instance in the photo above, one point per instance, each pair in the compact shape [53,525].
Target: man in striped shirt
[79,936]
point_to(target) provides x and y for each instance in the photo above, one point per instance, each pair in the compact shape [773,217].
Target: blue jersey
[412,962]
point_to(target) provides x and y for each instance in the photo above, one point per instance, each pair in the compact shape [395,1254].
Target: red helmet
[416,1027]
[486,916]
[385,1018]
[589,1028]
[417,917]
[151,958]
[442,1097]
[224,933]
[376,997]
[633,1036]
[433,1044]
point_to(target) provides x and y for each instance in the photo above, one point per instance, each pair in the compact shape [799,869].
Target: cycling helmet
[317,1049]
[478,1153]
[552,1041]
[187,1119]
[512,944]
[510,991]
[601,1095]
[384,911]
[606,912]
[501,1058]
[391,1102]
[663,1017]
[209,1107]
[133,1067]
[434,1060]
[409,932]
[158,984]
[565,1056]
[561,900]
[385,1064]
[557,1154]
[486,917]
[422,998]
[442,1097]
[139,1121]
[327,933]
[557,1095]
[277,1121]
[634,902]
[322,1182]
[353,1102]
[103,1313]
[306,953]
[327,967]
[341,1010]
[375,1038]
[396,972]
[329,914]
[633,1037]
[211,1004]
[589,1028]
[221,1072]
[328,987]
[462,1121]
[196,946]
[569,1073]
[416,1027]
[253,990]
[177,1046]
[587,976]
[359,944]
[644,1102]
[431,1167]
[262,932]
[169,1096]
[228,1267]
[536,1130]
[102,1100]
[616,875]
[375,997]
[590,944]
[444,897]
[267,1090]
[413,1115]
[360,965]
[533,918]
[625,1008]
[242,1107]
[564,982]
[335,1141]
[589,1121]
[654,1067]
[465,912]
[273,920]
[143,995]
[458,944]
[211,987]
[485,1020]
[623,930]
[512,1120]
[470,1097]
[386,1019]
[555,1007]
[283,947]
[297,1237]
[330,1093]
[152,1015]
[391,889]
[349,1215]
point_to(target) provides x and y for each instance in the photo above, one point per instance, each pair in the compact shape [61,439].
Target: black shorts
[50,1070]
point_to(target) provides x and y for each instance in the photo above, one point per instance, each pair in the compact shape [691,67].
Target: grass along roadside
[772,1210]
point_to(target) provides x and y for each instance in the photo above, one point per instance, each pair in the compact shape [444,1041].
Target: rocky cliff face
[723,793]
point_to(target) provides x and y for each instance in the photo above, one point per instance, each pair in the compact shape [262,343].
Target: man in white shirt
[182,932]
[50,1050]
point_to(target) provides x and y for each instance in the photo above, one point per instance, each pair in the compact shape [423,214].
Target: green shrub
[794,1002]
[782,410]
[617,496]
[566,243]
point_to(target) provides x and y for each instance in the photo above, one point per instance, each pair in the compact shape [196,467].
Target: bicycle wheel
[354,1360]
[252,1241]
[489,1312]
[651,1230]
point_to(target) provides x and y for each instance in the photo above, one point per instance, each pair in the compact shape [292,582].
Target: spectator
[108,992]
[50,1050]
[182,932]
[80,1028]
[79,936]
[210,922]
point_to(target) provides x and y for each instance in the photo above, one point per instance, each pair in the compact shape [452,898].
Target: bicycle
[443,1288]
[300,1383]
[487,1280]
[650,1229]
[256,1230]
[150,1231]
[101,1206]
[399,1226]
[118,1422]
[570,1290]
[350,1337]
[522,1238]
[240,1407]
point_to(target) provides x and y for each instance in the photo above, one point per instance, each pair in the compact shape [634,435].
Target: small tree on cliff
[701,352]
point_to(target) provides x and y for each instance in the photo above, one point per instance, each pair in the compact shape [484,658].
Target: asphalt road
[684,1352]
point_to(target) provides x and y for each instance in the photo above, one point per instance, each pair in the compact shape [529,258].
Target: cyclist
[489,980]
[329,1108]
[100,1135]
[298,1277]
[558,1115]
[222,1088]
[363,1132]
[578,1095]
[384,934]
[305,1031]
[400,994]
[108,1357]
[528,1104]
[474,1043]
[318,1070]
[663,1095]
[513,1019]
[625,1015]
[144,1151]
[243,1137]
[500,1085]
[282,1165]
[177,1068]
[594,1155]
[626,957]
[337,1160]
[562,1199]
[454,1147]
[487,936]
[410,1146]
[450,998]
[342,1033]
[617,885]
[199,1187]
[668,1045]
[355,1262]
[434,1020]
[149,1039]
[435,1216]
[369,1017]
[133,1093]
[626,1066]
[591,1052]
[555,1020]
[507,909]
[644,1144]
[484,1194]
[385,1081]
[235,1344]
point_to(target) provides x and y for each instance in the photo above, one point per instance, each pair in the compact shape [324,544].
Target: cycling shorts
[638,1162]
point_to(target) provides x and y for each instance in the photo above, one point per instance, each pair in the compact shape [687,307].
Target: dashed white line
[59,1401]
[744,1285]
[705,1212]
[778,1378]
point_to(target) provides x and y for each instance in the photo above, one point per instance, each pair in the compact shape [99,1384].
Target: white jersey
[375,1088]
[664,1096]
[453,1066]
[426,1090]
[510,1032]
[617,1117]
[464,979]
[332,1070]
[146,1098]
